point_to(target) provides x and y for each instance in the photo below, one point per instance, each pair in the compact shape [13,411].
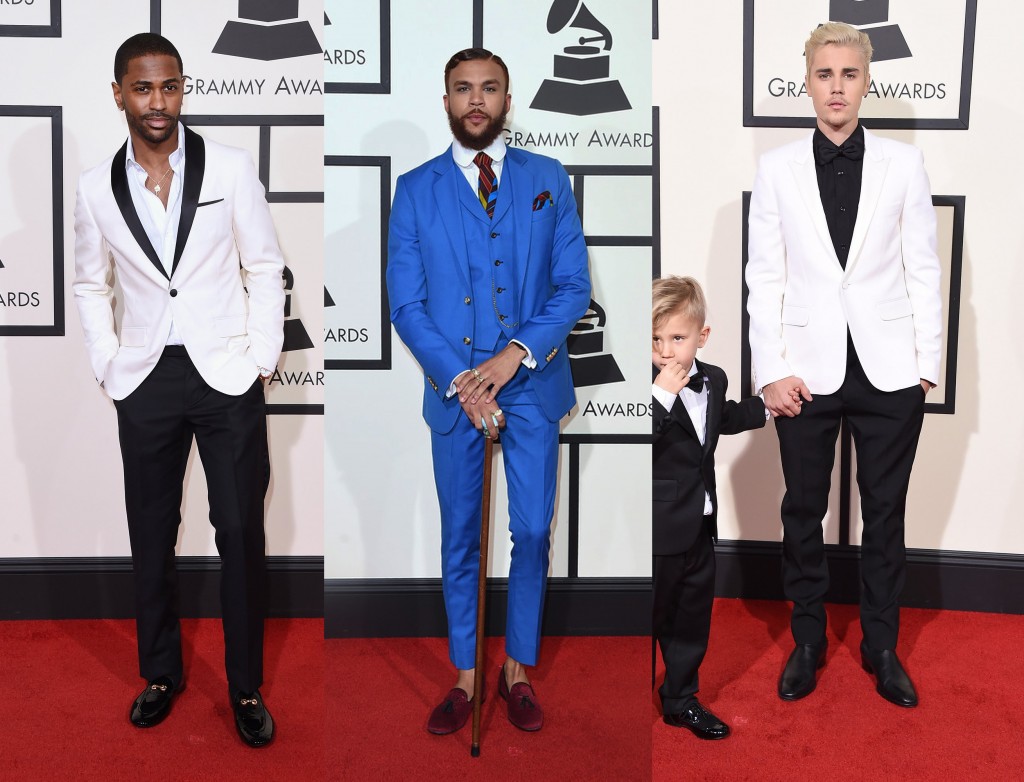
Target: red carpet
[595,694]
[67,687]
[968,726]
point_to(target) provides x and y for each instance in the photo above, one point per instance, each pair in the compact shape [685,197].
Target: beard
[480,139]
[138,124]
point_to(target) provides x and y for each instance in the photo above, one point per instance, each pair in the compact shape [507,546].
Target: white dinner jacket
[801,301]
[225,292]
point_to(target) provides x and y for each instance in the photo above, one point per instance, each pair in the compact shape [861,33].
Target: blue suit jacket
[428,276]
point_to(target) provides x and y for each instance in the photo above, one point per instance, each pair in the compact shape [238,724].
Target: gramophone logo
[870,16]
[582,82]
[591,365]
[295,335]
[267,30]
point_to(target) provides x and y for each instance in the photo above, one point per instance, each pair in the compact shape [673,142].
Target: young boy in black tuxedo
[689,411]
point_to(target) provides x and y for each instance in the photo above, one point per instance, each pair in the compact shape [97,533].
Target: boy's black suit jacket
[683,469]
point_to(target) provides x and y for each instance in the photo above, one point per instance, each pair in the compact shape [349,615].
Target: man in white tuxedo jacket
[845,325]
[184,226]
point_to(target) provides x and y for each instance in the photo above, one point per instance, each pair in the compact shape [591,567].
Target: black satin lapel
[714,402]
[123,197]
[195,165]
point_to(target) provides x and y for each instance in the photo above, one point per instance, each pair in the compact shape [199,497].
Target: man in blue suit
[487,273]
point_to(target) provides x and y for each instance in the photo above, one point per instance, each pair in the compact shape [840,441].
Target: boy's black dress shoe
[154,702]
[701,722]
[254,723]
[799,677]
[893,683]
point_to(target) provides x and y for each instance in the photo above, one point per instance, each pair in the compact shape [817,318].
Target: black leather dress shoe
[254,723]
[893,683]
[701,722]
[799,677]
[154,702]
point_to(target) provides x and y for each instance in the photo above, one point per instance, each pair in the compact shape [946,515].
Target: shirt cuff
[666,398]
[528,360]
[451,386]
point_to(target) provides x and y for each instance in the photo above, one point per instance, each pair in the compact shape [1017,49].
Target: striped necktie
[487,188]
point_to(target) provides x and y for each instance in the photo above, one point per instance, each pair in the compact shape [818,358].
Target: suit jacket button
[494,235]
[497,263]
[174,292]
[466,340]
[468,300]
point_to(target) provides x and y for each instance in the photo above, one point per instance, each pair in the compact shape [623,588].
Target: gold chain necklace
[156,188]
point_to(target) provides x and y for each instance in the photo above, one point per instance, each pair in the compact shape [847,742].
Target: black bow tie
[696,383]
[825,151]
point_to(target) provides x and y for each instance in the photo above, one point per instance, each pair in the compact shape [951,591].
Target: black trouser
[684,593]
[156,424]
[885,428]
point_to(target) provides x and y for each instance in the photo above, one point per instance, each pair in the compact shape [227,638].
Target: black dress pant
[885,428]
[156,425]
[684,593]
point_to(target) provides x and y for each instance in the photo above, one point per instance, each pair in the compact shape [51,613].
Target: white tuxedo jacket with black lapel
[225,292]
[802,301]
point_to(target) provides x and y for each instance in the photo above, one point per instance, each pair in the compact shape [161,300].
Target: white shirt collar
[175,159]
[464,155]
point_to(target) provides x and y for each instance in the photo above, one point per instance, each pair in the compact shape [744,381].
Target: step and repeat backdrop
[936,82]
[255,81]
[581,92]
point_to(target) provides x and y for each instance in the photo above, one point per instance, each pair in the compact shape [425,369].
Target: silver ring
[498,412]
[476,373]
[494,417]
[484,430]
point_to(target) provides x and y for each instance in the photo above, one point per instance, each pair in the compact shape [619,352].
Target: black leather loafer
[698,720]
[254,723]
[893,683]
[154,702]
[799,677]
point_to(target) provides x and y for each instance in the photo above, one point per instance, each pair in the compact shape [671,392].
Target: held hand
[786,396]
[490,377]
[672,378]
[483,415]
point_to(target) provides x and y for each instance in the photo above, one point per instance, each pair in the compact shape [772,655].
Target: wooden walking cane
[485,526]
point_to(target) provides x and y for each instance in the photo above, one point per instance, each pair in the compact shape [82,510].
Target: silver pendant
[156,189]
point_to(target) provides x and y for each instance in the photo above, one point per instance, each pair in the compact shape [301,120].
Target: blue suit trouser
[529,444]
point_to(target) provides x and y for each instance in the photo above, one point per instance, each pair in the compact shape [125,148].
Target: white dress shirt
[160,224]
[696,407]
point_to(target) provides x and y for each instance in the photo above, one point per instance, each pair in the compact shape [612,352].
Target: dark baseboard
[951,580]
[103,587]
[383,608]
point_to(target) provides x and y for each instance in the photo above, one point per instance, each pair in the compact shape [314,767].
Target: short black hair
[473,54]
[139,46]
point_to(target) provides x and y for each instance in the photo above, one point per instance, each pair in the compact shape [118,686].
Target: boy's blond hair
[838,34]
[673,295]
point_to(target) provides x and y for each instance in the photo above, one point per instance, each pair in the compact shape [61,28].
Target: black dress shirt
[839,171]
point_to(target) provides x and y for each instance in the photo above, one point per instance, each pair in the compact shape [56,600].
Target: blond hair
[677,295]
[838,34]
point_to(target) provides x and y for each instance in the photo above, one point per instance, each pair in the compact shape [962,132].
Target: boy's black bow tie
[696,383]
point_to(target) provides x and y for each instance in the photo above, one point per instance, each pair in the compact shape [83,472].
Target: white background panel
[615,511]
[382,518]
[965,492]
[617,205]
[352,41]
[934,33]
[26,230]
[25,12]
[352,262]
[63,485]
